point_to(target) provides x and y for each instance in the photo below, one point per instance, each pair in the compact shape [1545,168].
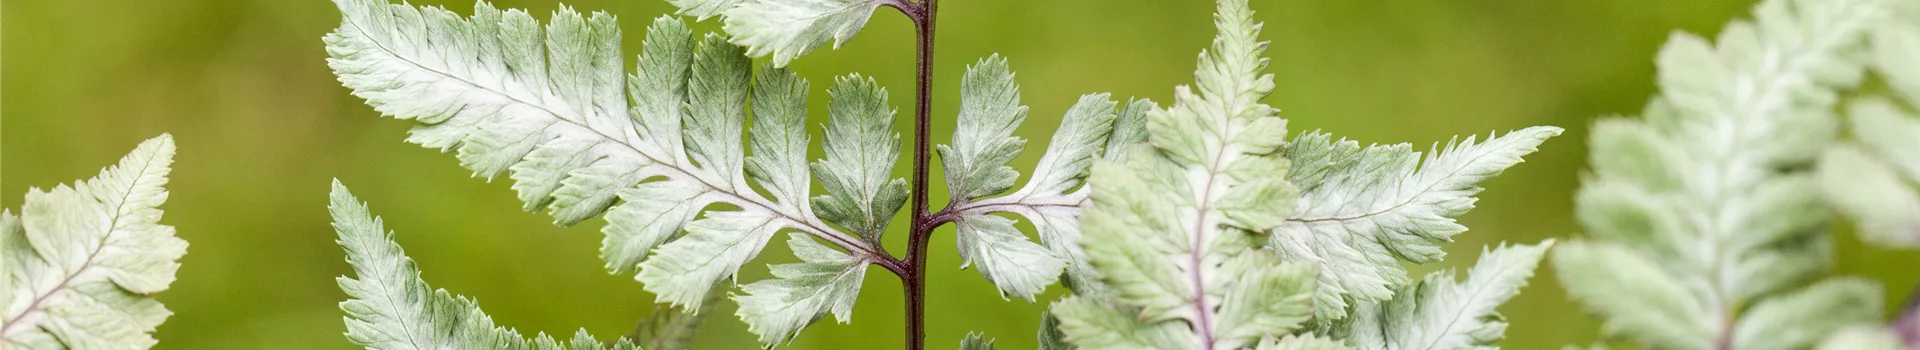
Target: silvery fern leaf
[828,281]
[983,143]
[1218,233]
[975,341]
[551,109]
[1707,206]
[1003,255]
[1638,297]
[1088,322]
[1174,230]
[1872,183]
[1439,313]
[1884,207]
[1804,317]
[83,262]
[861,149]
[1363,209]
[785,29]
[391,308]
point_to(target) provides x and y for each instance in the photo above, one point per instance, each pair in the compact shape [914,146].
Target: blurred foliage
[262,126]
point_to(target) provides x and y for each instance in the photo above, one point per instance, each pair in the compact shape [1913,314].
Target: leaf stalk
[913,270]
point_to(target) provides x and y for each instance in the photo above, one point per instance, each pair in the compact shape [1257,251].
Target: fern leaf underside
[1704,223]
[82,262]
[1222,234]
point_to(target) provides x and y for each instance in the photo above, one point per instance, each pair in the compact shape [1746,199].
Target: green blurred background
[261,127]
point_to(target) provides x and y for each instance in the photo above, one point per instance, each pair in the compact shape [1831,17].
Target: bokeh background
[262,127]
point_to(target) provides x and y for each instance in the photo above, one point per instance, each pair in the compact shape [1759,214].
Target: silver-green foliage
[1362,210]
[1439,313]
[1873,180]
[83,262]
[687,199]
[1705,228]
[975,341]
[391,308]
[1220,234]
[786,29]
[976,164]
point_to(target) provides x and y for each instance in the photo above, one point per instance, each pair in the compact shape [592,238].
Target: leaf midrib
[744,201]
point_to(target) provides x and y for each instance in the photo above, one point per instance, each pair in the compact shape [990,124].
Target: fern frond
[1806,316]
[1091,323]
[550,108]
[1362,210]
[861,149]
[1638,296]
[1873,183]
[828,281]
[1218,233]
[1003,255]
[83,262]
[1884,208]
[1051,200]
[1439,313]
[779,139]
[391,308]
[1174,231]
[1707,204]
[975,341]
[983,141]
[1265,297]
[785,29]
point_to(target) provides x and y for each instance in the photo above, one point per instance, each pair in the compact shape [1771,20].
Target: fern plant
[1705,223]
[1213,231]
[393,308]
[1219,233]
[687,200]
[82,262]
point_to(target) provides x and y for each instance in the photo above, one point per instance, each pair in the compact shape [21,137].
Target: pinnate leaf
[82,262]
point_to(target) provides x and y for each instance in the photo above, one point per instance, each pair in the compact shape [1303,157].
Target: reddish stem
[913,271]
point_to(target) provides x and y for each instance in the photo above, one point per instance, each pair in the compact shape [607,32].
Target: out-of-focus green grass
[262,126]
